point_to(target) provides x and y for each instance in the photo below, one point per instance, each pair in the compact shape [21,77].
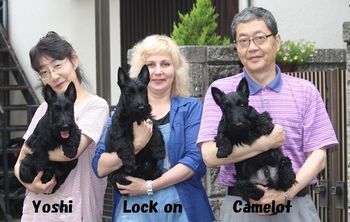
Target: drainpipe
[5,14]
[103,70]
[249,2]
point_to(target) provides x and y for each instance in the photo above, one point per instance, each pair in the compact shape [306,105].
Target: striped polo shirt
[292,102]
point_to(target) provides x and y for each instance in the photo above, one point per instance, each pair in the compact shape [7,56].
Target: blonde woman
[178,195]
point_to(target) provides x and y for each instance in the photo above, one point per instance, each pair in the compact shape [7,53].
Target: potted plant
[293,53]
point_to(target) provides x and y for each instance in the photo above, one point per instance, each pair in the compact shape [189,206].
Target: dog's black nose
[65,127]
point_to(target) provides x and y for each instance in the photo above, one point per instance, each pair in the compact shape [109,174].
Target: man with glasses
[302,127]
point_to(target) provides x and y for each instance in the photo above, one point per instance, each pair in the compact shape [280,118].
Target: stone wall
[213,62]
[346,37]
[208,63]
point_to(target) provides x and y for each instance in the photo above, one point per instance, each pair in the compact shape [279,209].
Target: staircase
[18,103]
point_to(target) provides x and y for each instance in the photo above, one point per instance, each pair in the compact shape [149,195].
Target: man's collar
[275,84]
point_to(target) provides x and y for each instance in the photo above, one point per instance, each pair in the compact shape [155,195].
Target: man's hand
[269,196]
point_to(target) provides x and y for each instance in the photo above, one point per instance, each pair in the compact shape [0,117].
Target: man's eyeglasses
[56,66]
[258,40]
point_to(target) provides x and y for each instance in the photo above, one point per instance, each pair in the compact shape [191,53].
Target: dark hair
[54,46]
[252,13]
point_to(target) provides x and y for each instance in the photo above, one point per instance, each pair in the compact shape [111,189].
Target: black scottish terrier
[133,106]
[56,128]
[242,124]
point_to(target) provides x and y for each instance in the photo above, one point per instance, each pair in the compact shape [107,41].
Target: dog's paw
[48,174]
[284,163]
[70,152]
[224,147]
[222,153]
[40,166]
[129,165]
[224,150]
[257,194]
[286,174]
[117,177]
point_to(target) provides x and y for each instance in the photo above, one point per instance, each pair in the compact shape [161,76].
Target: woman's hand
[136,187]
[38,187]
[142,134]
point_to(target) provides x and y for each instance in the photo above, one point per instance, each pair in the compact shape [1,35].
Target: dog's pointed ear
[243,87]
[144,75]
[218,95]
[49,94]
[71,92]
[122,77]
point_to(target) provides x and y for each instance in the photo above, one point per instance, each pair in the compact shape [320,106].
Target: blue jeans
[163,205]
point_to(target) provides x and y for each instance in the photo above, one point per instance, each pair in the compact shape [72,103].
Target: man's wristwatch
[286,197]
[149,187]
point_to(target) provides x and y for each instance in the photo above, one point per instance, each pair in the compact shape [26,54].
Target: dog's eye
[239,103]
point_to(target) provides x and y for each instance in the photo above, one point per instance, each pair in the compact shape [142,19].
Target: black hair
[54,46]
[252,13]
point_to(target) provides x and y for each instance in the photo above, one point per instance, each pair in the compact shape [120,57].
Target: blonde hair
[162,44]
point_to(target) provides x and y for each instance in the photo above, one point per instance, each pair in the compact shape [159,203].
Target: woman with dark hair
[80,197]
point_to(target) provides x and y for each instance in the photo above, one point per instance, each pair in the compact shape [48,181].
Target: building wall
[115,49]
[320,21]
[74,20]
[29,20]
[346,37]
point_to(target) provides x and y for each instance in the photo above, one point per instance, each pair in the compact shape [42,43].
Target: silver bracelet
[149,187]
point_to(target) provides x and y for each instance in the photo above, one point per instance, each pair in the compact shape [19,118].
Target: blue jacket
[185,115]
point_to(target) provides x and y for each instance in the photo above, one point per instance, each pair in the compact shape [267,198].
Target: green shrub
[199,26]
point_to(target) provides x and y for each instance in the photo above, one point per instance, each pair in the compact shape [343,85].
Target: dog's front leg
[69,151]
[286,175]
[264,123]
[117,176]
[40,160]
[249,190]
[125,151]
[224,146]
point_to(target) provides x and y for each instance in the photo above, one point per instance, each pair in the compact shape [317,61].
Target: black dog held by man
[242,124]
[133,106]
[57,128]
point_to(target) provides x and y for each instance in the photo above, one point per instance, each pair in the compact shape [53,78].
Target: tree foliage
[198,27]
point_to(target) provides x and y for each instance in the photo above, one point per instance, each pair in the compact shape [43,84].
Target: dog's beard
[239,130]
[140,115]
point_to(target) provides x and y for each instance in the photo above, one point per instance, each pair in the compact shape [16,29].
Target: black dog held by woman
[133,106]
[56,128]
[242,124]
